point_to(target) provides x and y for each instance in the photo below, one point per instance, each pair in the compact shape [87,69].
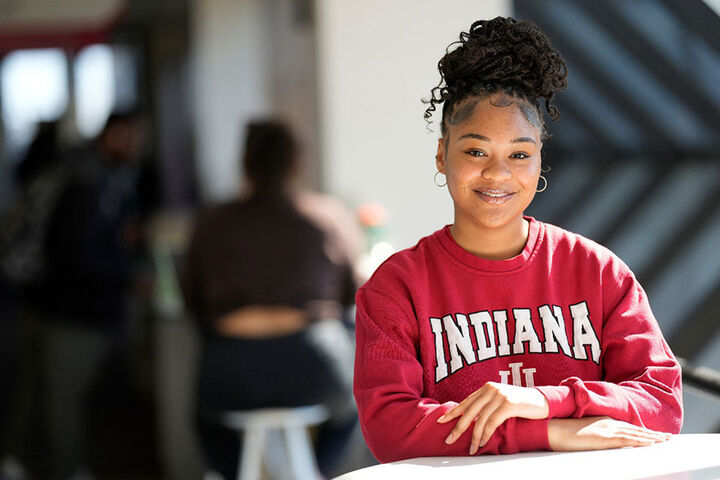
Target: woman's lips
[494,197]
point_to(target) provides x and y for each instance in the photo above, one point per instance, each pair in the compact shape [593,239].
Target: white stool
[292,421]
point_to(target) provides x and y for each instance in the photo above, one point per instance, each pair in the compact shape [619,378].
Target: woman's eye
[476,153]
[520,156]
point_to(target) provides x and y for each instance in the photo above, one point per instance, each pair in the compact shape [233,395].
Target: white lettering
[529,378]
[524,332]
[441,371]
[528,373]
[459,341]
[491,337]
[500,318]
[482,323]
[584,333]
[554,327]
[515,371]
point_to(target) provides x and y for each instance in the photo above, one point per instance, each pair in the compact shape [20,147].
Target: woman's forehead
[498,111]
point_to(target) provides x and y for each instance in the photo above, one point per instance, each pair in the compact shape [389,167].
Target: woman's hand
[490,406]
[599,433]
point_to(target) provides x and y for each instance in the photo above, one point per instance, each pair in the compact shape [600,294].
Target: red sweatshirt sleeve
[642,378]
[396,420]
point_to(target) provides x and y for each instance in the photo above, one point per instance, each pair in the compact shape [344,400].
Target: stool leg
[251,456]
[275,456]
[302,457]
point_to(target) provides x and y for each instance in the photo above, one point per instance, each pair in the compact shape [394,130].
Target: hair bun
[500,54]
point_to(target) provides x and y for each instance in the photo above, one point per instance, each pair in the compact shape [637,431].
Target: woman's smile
[494,197]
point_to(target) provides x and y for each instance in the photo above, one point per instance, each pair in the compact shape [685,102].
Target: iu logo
[527,373]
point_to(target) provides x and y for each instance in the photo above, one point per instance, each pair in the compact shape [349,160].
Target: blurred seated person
[269,276]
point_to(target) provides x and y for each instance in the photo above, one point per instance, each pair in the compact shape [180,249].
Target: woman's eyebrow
[477,136]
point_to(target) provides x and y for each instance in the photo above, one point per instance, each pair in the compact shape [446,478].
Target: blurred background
[634,164]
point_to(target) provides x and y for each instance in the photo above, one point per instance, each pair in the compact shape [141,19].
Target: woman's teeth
[495,194]
[494,197]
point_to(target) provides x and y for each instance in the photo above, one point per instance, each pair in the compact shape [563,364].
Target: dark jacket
[89,259]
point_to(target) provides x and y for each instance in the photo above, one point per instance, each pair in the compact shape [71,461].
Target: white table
[682,457]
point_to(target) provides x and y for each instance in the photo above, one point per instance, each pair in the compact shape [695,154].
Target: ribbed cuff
[532,435]
[561,400]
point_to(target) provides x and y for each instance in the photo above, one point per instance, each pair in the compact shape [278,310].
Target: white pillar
[231,76]
[377,59]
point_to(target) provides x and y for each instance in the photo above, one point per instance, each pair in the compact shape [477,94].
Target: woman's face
[491,157]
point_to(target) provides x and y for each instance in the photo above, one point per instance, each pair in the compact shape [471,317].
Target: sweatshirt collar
[534,240]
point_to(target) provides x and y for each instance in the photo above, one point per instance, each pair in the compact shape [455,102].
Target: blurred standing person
[39,180]
[269,276]
[91,240]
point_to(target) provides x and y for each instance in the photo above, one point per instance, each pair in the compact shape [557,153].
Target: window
[34,88]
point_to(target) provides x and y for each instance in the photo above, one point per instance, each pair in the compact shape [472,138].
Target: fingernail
[441,418]
[450,438]
[472,450]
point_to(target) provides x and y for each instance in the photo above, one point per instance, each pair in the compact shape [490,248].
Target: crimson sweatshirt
[566,316]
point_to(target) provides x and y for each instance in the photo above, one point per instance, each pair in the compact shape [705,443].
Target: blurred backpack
[23,229]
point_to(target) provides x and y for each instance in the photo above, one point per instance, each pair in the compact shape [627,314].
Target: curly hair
[499,55]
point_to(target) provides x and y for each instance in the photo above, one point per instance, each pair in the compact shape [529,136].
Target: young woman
[500,333]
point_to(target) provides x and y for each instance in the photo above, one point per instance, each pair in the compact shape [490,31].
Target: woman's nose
[496,169]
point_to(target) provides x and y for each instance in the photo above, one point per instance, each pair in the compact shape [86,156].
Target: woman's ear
[440,156]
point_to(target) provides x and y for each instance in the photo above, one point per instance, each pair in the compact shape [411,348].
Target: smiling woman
[492,175]
[558,348]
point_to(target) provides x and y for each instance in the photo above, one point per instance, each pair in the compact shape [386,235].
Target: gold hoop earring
[544,186]
[436,181]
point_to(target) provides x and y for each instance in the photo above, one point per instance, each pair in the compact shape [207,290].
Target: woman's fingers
[636,439]
[647,431]
[594,433]
[453,413]
[459,409]
[489,407]
[487,420]
[639,432]
[471,412]
[628,435]
[627,440]
[493,422]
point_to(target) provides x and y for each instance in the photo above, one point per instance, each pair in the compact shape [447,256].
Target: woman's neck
[492,243]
